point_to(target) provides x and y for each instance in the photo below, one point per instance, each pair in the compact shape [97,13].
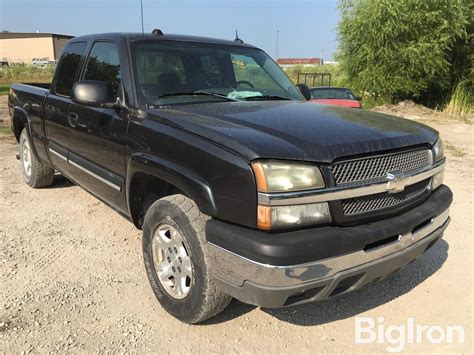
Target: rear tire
[35,173]
[174,252]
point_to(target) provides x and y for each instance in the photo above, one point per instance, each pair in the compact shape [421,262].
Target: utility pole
[321,59]
[276,49]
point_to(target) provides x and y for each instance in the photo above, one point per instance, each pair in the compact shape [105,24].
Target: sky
[305,28]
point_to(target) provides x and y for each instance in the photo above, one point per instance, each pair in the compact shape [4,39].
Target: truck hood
[295,130]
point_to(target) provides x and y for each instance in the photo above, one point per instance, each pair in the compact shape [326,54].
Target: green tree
[404,49]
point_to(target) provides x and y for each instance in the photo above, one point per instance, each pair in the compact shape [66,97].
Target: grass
[5,129]
[6,134]
[4,88]
[461,102]
[457,152]
[24,73]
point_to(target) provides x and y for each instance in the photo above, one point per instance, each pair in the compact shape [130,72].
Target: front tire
[35,173]
[174,252]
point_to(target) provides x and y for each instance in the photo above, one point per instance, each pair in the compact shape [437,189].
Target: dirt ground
[72,280]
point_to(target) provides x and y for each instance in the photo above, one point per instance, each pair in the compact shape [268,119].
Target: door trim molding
[80,167]
[59,155]
[115,185]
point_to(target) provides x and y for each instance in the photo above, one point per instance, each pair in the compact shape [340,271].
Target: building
[291,62]
[18,47]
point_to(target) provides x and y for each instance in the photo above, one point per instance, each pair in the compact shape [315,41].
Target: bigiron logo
[396,336]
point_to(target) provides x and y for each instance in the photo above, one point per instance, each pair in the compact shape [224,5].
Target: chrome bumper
[240,277]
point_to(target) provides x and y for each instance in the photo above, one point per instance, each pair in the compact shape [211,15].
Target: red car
[335,96]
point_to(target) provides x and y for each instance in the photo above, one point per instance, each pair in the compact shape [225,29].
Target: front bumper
[273,286]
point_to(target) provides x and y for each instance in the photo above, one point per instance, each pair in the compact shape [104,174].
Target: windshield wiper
[198,92]
[266,97]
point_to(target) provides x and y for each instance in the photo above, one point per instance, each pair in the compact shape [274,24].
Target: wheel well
[144,190]
[18,126]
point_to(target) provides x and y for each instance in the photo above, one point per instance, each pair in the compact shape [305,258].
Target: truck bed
[30,95]
[31,87]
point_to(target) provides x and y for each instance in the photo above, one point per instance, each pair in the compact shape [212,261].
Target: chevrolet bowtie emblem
[397,182]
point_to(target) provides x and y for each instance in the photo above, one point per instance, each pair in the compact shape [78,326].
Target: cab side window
[68,68]
[104,65]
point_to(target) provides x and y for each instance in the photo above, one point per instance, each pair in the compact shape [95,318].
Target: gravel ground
[72,280]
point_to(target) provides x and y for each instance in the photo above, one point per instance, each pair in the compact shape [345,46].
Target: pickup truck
[242,187]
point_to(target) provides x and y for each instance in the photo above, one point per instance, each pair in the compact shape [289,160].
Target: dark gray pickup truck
[242,188]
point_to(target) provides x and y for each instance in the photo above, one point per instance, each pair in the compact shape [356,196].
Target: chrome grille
[376,202]
[375,169]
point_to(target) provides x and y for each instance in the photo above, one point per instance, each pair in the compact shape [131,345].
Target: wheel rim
[172,261]
[26,157]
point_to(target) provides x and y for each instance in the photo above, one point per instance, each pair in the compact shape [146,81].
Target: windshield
[188,72]
[332,94]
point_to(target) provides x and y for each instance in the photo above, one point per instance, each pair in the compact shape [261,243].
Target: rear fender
[20,120]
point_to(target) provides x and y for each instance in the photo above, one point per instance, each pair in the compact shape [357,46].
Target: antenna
[145,60]
[141,11]
[276,49]
[237,39]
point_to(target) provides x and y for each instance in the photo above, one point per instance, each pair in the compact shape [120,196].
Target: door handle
[72,119]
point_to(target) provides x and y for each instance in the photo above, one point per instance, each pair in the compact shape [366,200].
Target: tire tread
[42,175]
[215,301]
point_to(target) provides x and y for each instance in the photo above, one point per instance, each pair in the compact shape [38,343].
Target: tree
[404,49]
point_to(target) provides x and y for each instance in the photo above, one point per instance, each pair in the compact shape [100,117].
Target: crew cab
[241,186]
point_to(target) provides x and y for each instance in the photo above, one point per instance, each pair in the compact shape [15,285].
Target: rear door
[97,136]
[56,119]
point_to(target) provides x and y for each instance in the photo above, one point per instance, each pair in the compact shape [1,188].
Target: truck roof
[137,36]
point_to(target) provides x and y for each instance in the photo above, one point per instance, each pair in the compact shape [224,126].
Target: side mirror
[304,89]
[358,98]
[93,93]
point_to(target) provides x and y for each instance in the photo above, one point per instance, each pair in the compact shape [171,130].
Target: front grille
[377,202]
[376,168]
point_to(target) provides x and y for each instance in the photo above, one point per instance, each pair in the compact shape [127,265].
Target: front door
[56,121]
[97,145]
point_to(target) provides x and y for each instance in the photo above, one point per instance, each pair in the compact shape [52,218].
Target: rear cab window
[68,67]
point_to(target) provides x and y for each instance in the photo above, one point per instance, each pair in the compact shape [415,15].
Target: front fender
[185,180]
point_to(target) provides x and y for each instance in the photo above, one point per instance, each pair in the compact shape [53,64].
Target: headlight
[277,176]
[273,217]
[437,180]
[438,150]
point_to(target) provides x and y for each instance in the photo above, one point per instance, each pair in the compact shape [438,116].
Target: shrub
[401,49]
